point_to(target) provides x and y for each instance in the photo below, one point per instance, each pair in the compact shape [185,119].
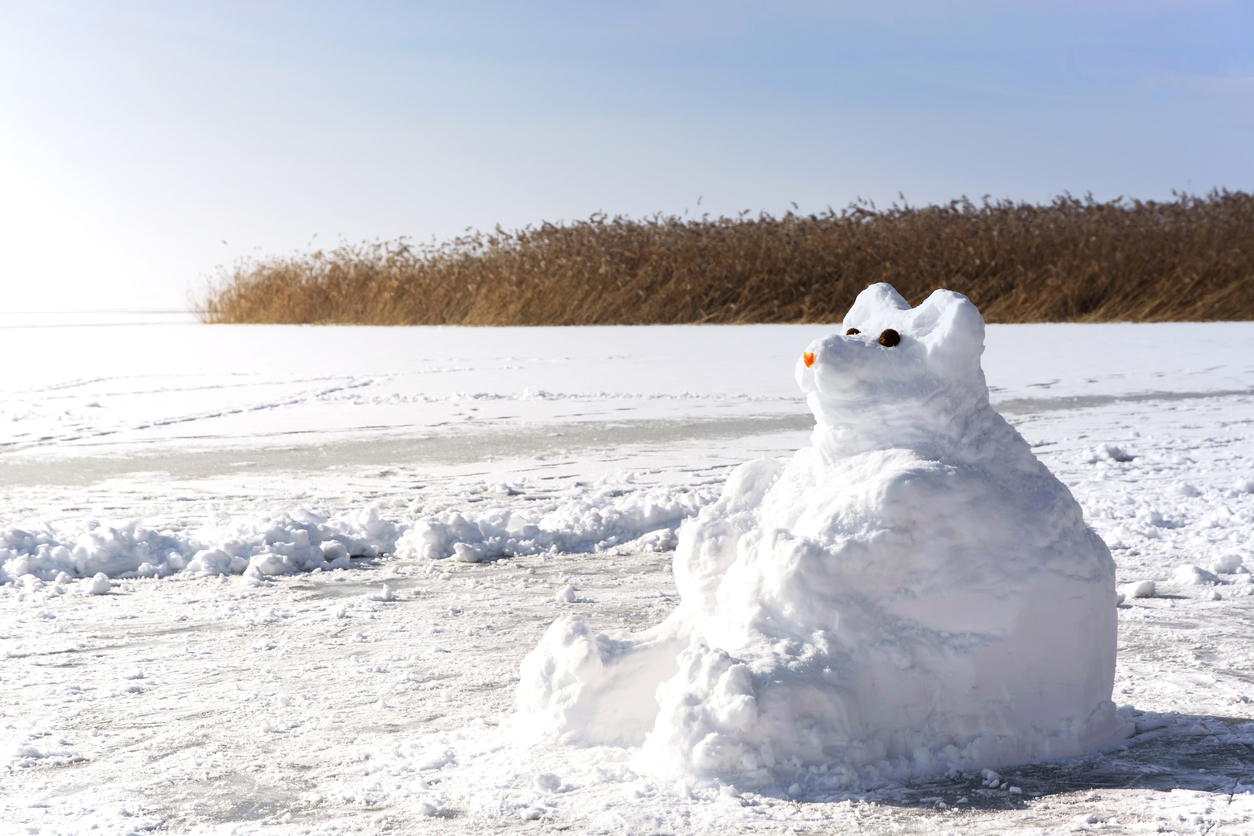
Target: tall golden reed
[1072,260]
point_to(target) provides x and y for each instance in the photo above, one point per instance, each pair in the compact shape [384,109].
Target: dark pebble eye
[852,331]
[889,338]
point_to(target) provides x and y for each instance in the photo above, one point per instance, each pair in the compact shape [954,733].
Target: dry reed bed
[1072,260]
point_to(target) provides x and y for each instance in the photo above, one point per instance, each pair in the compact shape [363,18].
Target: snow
[282,542]
[98,584]
[279,543]
[1139,589]
[1189,575]
[912,594]
[395,714]
[605,520]
[1228,564]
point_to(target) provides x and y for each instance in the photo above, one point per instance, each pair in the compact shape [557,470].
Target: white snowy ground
[376,697]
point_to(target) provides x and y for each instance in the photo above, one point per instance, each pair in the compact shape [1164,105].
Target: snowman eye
[889,338]
[852,331]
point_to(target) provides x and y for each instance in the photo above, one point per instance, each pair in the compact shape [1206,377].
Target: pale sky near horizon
[143,143]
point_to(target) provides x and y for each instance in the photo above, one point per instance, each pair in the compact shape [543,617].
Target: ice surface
[914,593]
[93,402]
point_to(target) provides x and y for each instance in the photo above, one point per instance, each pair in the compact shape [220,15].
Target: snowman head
[891,363]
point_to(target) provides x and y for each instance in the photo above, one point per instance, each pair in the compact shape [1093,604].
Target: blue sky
[135,138]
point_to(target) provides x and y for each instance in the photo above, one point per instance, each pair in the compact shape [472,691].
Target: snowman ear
[878,303]
[948,323]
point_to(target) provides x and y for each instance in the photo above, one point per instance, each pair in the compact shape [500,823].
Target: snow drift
[279,543]
[645,520]
[912,593]
[286,541]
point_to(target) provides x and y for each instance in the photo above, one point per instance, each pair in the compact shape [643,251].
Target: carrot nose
[808,358]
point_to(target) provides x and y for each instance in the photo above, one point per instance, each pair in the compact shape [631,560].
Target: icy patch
[912,594]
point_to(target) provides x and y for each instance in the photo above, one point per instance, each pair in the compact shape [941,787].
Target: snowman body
[912,593]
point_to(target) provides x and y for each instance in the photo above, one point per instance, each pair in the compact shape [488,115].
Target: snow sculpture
[914,592]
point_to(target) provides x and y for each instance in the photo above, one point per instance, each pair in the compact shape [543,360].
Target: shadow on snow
[1169,751]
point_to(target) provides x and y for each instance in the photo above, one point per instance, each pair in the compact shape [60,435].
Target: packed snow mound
[913,593]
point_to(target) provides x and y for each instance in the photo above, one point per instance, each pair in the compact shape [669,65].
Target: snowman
[913,593]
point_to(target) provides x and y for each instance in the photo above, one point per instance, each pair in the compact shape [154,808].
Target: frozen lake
[319,702]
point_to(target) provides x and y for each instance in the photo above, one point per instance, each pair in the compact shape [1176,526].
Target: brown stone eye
[852,331]
[889,338]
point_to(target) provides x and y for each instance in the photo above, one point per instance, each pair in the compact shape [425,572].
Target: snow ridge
[644,520]
[287,541]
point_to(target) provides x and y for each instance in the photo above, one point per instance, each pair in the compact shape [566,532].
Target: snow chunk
[1227,564]
[873,603]
[565,595]
[97,585]
[548,782]
[433,759]
[1191,575]
[1139,589]
[1106,452]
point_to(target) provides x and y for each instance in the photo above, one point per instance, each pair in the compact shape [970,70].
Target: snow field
[319,703]
[386,714]
[82,407]
[222,675]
